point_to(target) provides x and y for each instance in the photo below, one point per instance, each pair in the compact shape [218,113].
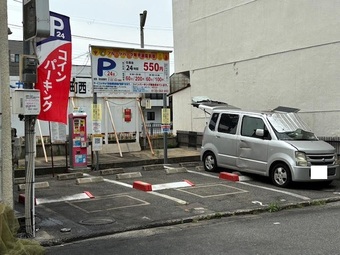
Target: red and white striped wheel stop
[229,176]
[171,185]
[79,196]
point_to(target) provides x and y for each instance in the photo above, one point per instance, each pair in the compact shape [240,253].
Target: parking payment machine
[78,140]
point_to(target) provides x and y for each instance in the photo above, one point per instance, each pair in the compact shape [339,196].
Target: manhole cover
[97,221]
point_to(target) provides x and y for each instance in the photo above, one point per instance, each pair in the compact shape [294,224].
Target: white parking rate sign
[122,70]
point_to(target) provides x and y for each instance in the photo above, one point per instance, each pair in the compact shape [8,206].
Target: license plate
[318,173]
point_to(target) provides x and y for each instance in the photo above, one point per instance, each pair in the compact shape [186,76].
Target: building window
[154,95]
[14,58]
[150,116]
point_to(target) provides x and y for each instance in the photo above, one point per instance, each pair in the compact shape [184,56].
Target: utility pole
[165,135]
[142,19]
[6,171]
[36,23]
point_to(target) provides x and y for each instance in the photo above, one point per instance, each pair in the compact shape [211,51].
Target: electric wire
[106,40]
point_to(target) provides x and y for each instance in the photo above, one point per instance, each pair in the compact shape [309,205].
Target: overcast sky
[108,23]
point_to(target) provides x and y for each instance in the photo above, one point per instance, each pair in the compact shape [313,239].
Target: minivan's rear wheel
[281,175]
[209,161]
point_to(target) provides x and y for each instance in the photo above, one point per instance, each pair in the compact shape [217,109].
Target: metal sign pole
[165,135]
[95,101]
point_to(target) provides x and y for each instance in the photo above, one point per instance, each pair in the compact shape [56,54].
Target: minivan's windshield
[289,126]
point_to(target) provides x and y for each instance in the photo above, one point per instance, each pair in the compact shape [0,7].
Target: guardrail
[155,128]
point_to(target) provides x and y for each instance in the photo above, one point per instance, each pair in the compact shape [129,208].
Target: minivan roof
[223,109]
[210,106]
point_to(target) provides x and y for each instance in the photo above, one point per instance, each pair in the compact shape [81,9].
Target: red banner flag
[54,70]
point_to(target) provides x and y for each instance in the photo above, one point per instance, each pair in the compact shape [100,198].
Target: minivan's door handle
[217,136]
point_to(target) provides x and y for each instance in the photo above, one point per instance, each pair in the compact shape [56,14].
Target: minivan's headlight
[336,158]
[301,159]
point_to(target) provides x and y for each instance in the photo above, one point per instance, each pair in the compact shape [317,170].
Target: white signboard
[58,132]
[129,71]
[97,143]
[96,127]
[81,87]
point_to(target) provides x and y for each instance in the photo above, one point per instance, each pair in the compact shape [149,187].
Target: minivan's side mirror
[259,132]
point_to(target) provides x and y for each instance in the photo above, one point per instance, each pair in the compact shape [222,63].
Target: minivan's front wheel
[209,161]
[281,175]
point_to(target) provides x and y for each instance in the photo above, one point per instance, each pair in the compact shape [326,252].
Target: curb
[20,180]
[190,164]
[176,170]
[128,175]
[37,185]
[94,179]
[69,176]
[111,171]
[199,168]
[153,167]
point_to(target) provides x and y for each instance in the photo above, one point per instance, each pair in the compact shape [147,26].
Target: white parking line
[275,190]
[256,186]
[171,185]
[119,183]
[112,181]
[79,196]
[204,174]
[179,201]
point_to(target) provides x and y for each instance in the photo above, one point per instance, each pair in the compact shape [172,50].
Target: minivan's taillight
[300,158]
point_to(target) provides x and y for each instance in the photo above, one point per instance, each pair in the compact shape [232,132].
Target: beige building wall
[183,111]
[260,54]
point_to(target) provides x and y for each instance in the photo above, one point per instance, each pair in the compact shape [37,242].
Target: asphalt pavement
[139,191]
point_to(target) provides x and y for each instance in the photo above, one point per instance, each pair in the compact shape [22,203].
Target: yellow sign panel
[148,104]
[96,111]
[166,116]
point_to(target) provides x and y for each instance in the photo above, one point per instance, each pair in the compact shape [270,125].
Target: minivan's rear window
[213,120]
[228,123]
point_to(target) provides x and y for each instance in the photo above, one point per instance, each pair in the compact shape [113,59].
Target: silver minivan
[274,143]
